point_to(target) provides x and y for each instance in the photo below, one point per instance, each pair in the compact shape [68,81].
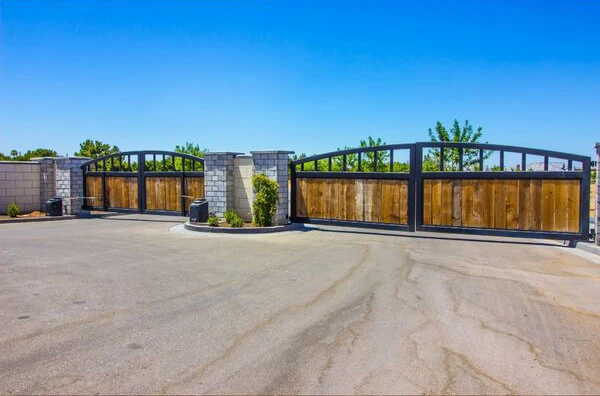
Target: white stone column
[274,164]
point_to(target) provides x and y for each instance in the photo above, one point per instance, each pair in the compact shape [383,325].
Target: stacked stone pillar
[274,164]
[228,181]
[62,177]
[218,181]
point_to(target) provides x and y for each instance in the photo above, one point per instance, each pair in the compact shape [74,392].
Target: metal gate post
[141,183]
[584,217]
[182,186]
[104,190]
[293,192]
[416,172]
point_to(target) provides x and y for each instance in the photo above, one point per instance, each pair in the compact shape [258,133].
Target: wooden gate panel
[94,192]
[163,193]
[122,192]
[517,204]
[194,188]
[370,200]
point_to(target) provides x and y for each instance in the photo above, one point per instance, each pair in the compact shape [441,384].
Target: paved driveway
[119,305]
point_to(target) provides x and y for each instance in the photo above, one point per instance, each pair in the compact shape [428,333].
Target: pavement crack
[244,337]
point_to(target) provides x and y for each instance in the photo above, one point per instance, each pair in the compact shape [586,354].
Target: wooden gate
[159,182]
[449,187]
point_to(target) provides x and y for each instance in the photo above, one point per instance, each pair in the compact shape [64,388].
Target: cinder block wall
[274,164]
[20,184]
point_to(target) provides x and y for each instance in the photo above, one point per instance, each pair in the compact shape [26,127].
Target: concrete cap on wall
[221,153]
[272,152]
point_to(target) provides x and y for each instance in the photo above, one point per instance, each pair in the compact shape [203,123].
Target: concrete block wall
[218,181]
[20,184]
[47,179]
[69,182]
[243,192]
[274,163]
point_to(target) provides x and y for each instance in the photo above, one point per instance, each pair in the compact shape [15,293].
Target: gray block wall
[20,184]
[218,181]
[274,164]
[69,182]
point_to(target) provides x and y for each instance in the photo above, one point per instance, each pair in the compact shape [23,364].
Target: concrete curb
[589,247]
[231,230]
[37,219]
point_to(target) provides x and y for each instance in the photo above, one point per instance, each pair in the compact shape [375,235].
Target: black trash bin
[54,207]
[199,211]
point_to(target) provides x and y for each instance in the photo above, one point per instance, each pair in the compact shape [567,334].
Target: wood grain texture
[194,189]
[122,192]
[380,201]
[523,204]
[93,191]
[163,193]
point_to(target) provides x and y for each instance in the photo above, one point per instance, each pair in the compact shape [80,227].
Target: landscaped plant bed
[32,217]
[247,228]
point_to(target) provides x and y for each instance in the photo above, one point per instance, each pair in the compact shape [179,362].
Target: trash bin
[54,207]
[199,211]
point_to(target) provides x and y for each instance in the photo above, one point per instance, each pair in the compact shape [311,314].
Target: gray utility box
[199,211]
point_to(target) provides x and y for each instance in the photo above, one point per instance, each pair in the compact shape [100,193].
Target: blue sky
[308,76]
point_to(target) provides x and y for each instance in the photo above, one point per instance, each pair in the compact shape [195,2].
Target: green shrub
[265,200]
[230,215]
[13,210]
[213,221]
[237,221]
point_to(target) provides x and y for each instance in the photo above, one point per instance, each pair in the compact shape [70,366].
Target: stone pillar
[597,187]
[69,182]
[218,181]
[275,165]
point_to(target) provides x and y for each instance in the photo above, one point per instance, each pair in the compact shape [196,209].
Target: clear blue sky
[308,76]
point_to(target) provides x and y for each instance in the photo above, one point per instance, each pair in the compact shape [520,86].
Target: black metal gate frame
[116,170]
[416,177]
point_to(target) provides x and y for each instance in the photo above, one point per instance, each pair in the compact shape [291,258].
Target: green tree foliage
[191,149]
[456,134]
[95,149]
[265,199]
[40,152]
[367,160]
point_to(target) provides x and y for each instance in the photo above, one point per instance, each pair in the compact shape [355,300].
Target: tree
[40,152]
[456,134]
[95,149]
[191,149]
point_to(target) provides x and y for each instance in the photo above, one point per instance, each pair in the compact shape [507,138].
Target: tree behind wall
[95,148]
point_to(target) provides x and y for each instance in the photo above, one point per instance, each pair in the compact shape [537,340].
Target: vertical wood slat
[93,188]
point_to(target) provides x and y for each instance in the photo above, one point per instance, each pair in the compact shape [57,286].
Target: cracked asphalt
[126,305]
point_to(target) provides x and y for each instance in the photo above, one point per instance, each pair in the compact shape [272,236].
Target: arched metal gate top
[152,160]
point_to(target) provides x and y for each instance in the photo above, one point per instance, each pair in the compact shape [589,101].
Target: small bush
[237,221]
[230,215]
[213,221]
[265,200]
[13,210]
